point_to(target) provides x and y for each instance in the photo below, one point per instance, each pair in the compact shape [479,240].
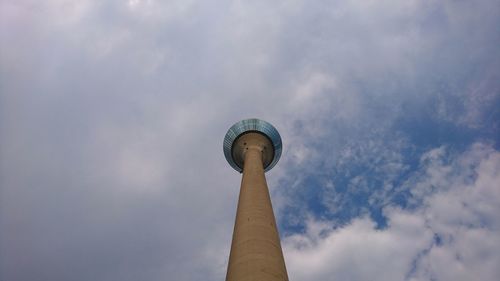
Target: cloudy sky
[112,116]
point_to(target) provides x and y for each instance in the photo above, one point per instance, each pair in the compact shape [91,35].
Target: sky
[113,113]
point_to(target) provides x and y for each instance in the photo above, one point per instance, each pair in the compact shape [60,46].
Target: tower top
[272,154]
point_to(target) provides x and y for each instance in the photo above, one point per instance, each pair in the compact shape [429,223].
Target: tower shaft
[255,250]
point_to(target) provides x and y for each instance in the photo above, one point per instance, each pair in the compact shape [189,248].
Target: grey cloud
[112,115]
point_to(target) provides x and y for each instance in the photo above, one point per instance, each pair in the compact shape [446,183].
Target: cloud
[452,236]
[112,115]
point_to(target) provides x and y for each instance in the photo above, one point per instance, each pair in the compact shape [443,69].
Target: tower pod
[235,144]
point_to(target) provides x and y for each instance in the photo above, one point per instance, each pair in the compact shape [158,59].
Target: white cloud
[453,236]
[357,251]
[112,115]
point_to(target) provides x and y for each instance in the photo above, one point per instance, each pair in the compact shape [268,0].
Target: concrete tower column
[253,147]
[255,250]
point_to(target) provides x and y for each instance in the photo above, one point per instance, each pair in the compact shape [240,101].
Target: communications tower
[253,147]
